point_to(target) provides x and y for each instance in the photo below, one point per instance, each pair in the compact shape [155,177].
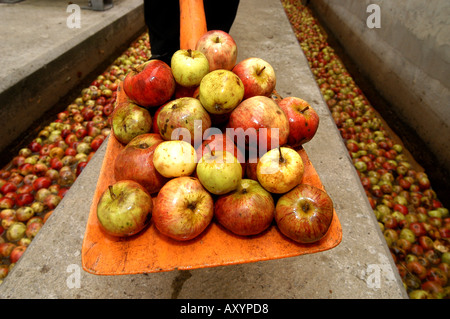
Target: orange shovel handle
[192,23]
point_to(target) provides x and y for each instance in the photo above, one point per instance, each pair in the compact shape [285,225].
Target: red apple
[80,167]
[51,201]
[155,128]
[219,48]
[24,199]
[257,75]
[260,123]
[4,270]
[33,229]
[35,146]
[150,84]
[303,120]
[124,209]
[183,208]
[251,165]
[248,210]
[97,142]
[25,188]
[182,91]
[135,162]
[16,253]
[304,214]
[41,182]
[8,187]
[71,138]
[6,248]
[108,109]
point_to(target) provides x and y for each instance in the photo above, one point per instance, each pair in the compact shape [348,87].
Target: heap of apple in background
[413,220]
[44,169]
[205,139]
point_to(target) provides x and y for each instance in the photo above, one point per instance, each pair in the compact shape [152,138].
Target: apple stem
[217,39]
[113,196]
[304,110]
[260,71]
[190,52]
[192,205]
[305,207]
[281,156]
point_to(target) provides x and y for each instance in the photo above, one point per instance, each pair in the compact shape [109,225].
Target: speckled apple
[124,208]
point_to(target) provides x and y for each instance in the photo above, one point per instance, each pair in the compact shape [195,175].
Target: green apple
[175,158]
[189,67]
[130,120]
[219,172]
[220,91]
[124,208]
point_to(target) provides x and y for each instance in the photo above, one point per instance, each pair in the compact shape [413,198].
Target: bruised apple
[248,210]
[135,162]
[304,214]
[220,91]
[130,120]
[183,208]
[184,117]
[150,84]
[124,208]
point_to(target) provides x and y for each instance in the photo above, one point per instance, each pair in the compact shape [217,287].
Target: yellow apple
[280,169]
[219,172]
[175,158]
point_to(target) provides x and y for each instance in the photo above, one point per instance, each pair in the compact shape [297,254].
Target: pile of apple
[414,222]
[205,141]
[39,176]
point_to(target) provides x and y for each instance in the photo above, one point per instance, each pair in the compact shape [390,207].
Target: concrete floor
[360,267]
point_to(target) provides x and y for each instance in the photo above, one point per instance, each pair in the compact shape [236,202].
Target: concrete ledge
[43,60]
[51,267]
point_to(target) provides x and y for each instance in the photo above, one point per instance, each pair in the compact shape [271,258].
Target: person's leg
[162,18]
[220,15]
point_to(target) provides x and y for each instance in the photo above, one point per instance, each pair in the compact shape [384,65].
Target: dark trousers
[162,18]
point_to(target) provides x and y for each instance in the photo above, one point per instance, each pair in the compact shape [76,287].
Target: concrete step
[47,56]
